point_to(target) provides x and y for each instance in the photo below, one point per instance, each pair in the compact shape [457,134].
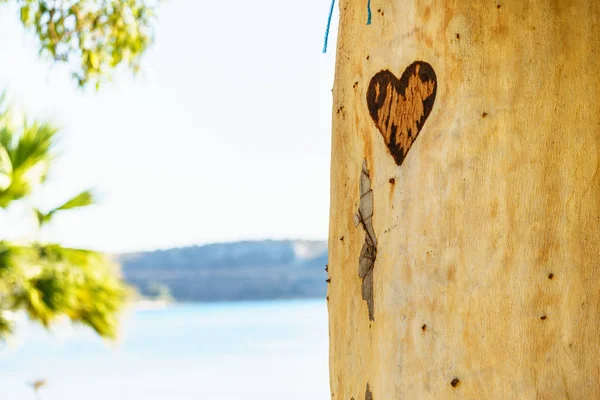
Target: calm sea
[266,351]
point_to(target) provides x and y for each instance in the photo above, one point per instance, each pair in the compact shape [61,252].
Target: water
[266,351]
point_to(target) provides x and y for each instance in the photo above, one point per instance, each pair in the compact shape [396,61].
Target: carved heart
[400,107]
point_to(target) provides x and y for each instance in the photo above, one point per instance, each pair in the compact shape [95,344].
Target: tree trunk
[465,201]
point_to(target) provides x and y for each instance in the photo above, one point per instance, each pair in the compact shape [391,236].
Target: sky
[225,135]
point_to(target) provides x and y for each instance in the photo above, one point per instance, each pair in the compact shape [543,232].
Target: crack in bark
[368,394]
[368,253]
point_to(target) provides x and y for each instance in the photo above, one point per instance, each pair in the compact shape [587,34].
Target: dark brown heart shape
[400,107]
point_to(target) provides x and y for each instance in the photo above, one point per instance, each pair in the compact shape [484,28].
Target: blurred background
[164,199]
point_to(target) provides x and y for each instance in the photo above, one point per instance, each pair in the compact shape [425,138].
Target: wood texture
[486,281]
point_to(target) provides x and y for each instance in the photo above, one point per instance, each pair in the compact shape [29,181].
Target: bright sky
[224,136]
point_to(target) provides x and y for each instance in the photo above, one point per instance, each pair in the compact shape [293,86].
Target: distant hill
[249,270]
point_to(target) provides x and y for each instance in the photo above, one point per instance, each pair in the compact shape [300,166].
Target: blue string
[328,26]
[329,22]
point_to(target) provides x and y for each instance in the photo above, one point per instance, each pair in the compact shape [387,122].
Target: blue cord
[328,26]
[329,22]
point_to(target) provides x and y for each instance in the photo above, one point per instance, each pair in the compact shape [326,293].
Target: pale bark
[484,267]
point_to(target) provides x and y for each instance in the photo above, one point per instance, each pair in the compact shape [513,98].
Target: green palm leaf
[83,199]
[5,169]
[55,281]
[25,157]
[47,280]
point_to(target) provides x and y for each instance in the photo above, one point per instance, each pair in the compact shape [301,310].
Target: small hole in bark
[392,181]
[543,317]
[368,57]
[498,6]
[328,280]
[424,327]
[550,275]
[342,238]
[327,267]
[458,35]
[484,115]
[455,382]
